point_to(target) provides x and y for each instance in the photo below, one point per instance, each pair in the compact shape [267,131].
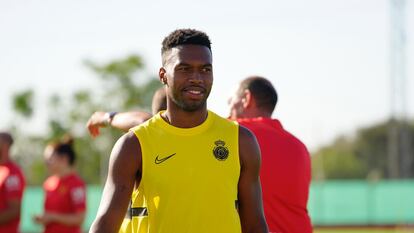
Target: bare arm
[11,212]
[124,163]
[123,121]
[250,194]
[74,219]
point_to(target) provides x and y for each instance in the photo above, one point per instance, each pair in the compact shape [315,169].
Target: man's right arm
[11,212]
[124,163]
[122,120]
[13,192]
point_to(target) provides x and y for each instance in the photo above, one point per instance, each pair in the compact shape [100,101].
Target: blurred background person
[12,185]
[65,193]
[285,173]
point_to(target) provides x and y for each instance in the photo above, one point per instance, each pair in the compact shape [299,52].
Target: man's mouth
[194,92]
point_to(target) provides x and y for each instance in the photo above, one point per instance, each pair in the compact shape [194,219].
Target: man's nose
[196,77]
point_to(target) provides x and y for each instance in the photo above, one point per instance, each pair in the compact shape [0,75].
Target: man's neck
[4,158]
[254,113]
[185,119]
[65,172]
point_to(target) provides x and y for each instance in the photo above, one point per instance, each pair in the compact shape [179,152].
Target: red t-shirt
[285,176]
[11,187]
[64,195]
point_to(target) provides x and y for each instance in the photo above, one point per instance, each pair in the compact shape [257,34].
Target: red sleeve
[14,186]
[78,197]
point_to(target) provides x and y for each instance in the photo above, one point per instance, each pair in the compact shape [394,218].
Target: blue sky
[328,59]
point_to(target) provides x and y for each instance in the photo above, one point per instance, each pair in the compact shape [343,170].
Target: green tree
[122,88]
[364,156]
[121,85]
[23,103]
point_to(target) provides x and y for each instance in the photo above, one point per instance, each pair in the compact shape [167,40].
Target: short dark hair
[7,137]
[64,148]
[262,91]
[185,37]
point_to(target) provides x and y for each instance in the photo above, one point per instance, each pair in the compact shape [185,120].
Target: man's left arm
[11,212]
[14,187]
[249,190]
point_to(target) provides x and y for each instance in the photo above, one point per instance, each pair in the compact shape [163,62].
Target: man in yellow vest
[193,170]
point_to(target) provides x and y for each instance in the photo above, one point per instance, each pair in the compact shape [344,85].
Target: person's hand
[96,121]
[42,219]
[37,219]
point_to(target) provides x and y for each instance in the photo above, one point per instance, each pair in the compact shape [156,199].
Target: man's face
[2,144]
[188,73]
[53,161]
[235,103]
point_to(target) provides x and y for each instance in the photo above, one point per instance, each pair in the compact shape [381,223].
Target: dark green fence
[330,203]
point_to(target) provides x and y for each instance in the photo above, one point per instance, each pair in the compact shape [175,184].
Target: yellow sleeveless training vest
[189,178]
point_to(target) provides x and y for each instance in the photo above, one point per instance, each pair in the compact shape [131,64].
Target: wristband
[109,116]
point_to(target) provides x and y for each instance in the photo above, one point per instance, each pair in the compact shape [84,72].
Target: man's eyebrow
[183,64]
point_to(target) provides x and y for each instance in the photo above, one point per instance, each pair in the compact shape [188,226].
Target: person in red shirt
[65,192]
[12,185]
[286,170]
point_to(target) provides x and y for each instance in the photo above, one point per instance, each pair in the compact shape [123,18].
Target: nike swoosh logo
[158,161]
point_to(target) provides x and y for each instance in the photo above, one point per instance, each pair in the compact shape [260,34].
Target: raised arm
[124,165]
[250,194]
[122,120]
[72,219]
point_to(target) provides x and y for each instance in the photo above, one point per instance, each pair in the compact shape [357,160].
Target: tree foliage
[23,103]
[121,86]
[363,156]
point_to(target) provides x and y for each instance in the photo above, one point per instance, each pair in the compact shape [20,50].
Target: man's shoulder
[128,139]
[13,168]
[245,134]
[51,183]
[261,125]
[127,147]
[76,180]
[292,138]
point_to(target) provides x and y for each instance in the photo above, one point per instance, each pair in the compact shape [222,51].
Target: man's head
[254,97]
[159,101]
[6,141]
[187,69]
[60,155]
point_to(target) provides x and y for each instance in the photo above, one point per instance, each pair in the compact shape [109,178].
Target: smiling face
[188,74]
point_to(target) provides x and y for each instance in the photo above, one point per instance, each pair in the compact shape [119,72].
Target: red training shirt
[11,187]
[285,176]
[64,195]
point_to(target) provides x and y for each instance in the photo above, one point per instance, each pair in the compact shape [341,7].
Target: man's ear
[162,75]
[247,99]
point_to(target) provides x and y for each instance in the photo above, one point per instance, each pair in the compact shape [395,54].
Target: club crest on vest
[220,151]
